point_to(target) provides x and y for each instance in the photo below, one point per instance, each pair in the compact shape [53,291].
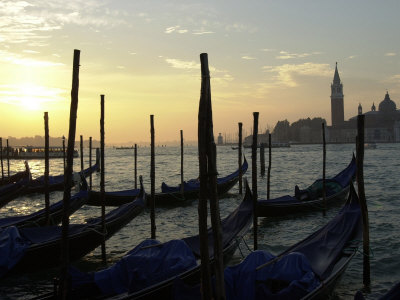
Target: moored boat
[310,198]
[35,248]
[310,269]
[150,269]
[169,194]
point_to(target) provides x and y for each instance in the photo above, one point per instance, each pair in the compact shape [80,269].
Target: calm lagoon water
[299,164]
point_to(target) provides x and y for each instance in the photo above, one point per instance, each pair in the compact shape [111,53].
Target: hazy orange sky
[275,57]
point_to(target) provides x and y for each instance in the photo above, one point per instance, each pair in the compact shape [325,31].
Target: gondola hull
[311,198]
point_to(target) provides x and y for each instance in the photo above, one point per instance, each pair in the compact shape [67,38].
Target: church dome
[387,105]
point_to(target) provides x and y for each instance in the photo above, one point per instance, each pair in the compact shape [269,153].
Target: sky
[272,57]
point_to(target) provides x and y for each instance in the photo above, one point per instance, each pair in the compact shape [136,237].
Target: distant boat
[31,152]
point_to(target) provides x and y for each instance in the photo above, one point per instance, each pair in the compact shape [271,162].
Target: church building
[382,125]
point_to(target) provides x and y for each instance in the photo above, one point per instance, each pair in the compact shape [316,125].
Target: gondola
[56,183]
[38,218]
[310,269]
[14,189]
[34,248]
[169,195]
[156,265]
[311,198]
[13,178]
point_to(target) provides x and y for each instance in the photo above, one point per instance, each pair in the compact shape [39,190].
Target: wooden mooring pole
[8,159]
[269,165]
[63,145]
[135,166]
[182,184]
[363,201]
[324,170]
[208,182]
[254,178]
[1,158]
[90,162]
[46,168]
[81,150]
[68,177]
[240,124]
[152,179]
[102,181]
[262,159]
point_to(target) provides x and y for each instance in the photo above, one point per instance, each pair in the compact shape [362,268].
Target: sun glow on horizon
[29,96]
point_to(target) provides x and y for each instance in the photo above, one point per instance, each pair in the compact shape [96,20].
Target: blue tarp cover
[12,248]
[140,268]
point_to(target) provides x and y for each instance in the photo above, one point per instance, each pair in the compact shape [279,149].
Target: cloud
[248,57]
[218,76]
[284,74]
[288,55]
[180,64]
[175,29]
[30,95]
[20,60]
[267,50]
[352,56]
[200,32]
[390,54]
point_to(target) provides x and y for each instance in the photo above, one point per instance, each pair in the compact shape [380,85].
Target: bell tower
[337,107]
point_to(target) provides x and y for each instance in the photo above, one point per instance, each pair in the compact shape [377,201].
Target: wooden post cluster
[68,176]
[46,167]
[208,188]
[269,165]
[102,180]
[254,177]
[240,158]
[152,179]
[363,201]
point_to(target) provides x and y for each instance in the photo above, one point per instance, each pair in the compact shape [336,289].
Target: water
[300,164]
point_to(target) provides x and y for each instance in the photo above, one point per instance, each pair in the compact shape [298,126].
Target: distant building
[220,139]
[382,125]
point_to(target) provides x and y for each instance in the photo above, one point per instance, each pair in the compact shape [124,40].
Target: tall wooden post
[135,166]
[324,170]
[262,159]
[208,181]
[254,177]
[90,162]
[269,165]
[46,167]
[68,176]
[363,202]
[240,159]
[63,145]
[102,181]
[1,158]
[182,184]
[152,179]
[8,159]
[81,150]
